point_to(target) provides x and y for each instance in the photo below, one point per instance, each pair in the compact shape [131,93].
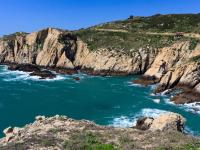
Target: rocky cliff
[139,45]
[178,66]
[58,48]
[61,132]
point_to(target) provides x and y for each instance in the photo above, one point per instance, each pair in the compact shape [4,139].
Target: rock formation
[64,52]
[58,48]
[165,122]
[174,66]
[61,132]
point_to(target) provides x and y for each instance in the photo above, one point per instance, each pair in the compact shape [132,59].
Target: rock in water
[168,121]
[144,123]
[76,78]
[165,122]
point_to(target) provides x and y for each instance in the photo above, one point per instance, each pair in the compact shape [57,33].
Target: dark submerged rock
[76,78]
[146,80]
[33,69]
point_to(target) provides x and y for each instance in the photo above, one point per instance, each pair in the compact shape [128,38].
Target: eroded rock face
[63,52]
[165,122]
[43,48]
[174,67]
[59,48]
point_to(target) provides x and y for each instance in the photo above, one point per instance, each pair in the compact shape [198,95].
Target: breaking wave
[125,121]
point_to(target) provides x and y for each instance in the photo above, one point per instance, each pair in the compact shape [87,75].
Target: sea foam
[125,121]
[8,76]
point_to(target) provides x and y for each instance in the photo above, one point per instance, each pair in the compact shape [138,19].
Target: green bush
[196,58]
[193,44]
[86,141]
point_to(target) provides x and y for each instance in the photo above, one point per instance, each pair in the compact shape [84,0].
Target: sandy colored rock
[61,132]
[168,121]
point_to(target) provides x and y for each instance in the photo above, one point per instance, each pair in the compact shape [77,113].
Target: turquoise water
[105,100]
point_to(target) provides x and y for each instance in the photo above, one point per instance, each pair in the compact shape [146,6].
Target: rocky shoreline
[186,94]
[61,132]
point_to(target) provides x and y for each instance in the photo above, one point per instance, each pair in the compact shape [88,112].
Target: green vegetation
[193,44]
[126,142]
[47,143]
[87,141]
[125,42]
[133,33]
[196,58]
[158,23]
[55,130]
[13,36]
[193,146]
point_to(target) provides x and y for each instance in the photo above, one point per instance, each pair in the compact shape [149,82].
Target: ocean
[112,101]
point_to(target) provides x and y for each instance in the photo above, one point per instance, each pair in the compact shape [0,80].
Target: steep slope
[138,45]
[58,48]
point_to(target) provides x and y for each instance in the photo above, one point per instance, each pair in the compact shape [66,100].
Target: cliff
[61,132]
[163,48]
[159,47]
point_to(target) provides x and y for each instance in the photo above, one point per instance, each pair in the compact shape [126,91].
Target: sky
[33,15]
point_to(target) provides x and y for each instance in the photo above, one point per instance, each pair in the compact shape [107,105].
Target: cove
[111,101]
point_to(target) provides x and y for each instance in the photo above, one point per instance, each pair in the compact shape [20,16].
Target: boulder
[165,122]
[39,118]
[11,133]
[168,121]
[144,123]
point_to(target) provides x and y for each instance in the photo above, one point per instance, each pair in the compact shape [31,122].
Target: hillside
[131,34]
[165,49]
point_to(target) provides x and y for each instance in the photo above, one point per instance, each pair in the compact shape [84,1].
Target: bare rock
[40,118]
[144,123]
[168,121]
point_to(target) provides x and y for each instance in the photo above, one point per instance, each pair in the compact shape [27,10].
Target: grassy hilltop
[135,32]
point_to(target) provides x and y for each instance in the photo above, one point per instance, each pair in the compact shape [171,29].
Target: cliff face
[57,48]
[173,65]
[177,65]
[48,47]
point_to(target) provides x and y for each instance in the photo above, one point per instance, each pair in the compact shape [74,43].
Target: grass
[55,130]
[158,23]
[124,42]
[193,146]
[47,143]
[193,44]
[196,58]
[137,27]
[87,141]
[13,36]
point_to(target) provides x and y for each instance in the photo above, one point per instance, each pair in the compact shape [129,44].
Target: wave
[150,112]
[125,121]
[8,76]
[153,86]
[168,101]
[122,122]
[134,84]
[157,100]
[192,107]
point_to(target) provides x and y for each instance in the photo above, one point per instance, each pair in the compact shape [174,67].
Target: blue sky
[32,15]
